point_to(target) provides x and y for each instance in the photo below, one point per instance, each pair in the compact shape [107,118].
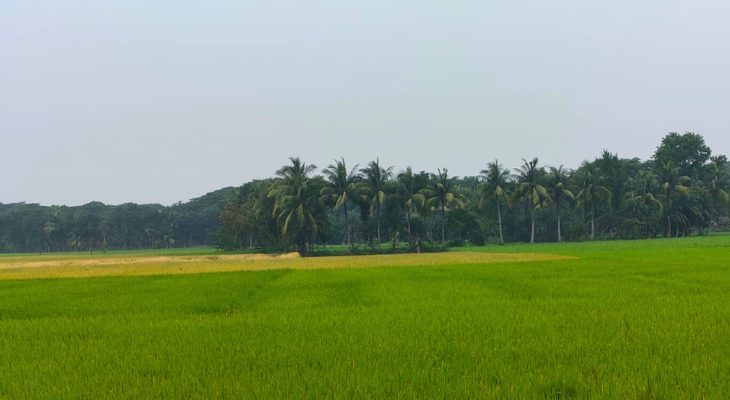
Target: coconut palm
[150,232]
[443,193]
[409,186]
[343,185]
[699,208]
[590,185]
[48,230]
[495,185]
[531,189]
[297,203]
[557,183]
[373,190]
[75,242]
[643,197]
[717,186]
[674,187]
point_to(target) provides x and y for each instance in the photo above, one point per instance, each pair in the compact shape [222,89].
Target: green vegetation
[682,191]
[643,319]
[678,193]
[68,266]
[31,228]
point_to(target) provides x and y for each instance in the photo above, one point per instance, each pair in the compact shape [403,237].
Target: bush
[225,242]
[630,229]
[477,238]
[576,231]
[458,242]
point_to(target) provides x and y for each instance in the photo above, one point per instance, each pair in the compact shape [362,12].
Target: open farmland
[68,266]
[605,320]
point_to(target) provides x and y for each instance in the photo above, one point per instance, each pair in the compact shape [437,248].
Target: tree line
[682,189]
[97,226]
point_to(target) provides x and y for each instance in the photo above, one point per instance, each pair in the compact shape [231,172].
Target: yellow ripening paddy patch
[85,266]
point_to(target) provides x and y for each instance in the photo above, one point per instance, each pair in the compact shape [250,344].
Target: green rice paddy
[613,320]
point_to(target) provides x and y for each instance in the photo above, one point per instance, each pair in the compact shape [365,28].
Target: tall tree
[297,202]
[343,185]
[717,185]
[616,172]
[409,187]
[688,152]
[643,199]
[48,230]
[531,189]
[495,186]
[375,182]
[674,187]
[75,242]
[558,183]
[443,193]
[591,188]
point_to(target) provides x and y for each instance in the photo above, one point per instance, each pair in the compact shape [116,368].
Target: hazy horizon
[157,103]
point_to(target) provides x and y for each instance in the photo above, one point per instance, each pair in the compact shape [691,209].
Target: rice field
[52,266]
[605,320]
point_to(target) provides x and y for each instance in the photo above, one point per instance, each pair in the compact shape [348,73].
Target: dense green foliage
[624,320]
[96,226]
[682,190]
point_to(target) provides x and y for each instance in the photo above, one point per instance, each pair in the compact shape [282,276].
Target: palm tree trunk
[378,219]
[646,223]
[557,203]
[347,228]
[532,218]
[443,223]
[669,227]
[593,221]
[410,238]
[499,218]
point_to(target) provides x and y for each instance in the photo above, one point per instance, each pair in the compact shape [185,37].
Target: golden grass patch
[16,268]
[18,262]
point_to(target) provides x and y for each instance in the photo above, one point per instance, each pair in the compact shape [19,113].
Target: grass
[33,267]
[616,320]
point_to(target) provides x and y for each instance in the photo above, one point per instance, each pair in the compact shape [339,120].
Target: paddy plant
[611,320]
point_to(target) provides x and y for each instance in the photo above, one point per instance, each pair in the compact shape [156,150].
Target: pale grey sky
[159,101]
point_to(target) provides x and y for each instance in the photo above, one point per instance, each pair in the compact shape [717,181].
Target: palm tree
[409,187]
[644,196]
[343,185]
[672,185]
[531,189]
[443,193]
[558,182]
[495,186]
[48,230]
[375,181]
[717,187]
[167,239]
[75,242]
[296,203]
[590,184]
[150,232]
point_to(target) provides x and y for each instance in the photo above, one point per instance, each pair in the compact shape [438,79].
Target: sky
[163,101]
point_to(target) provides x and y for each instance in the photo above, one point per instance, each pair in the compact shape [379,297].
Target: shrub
[630,229]
[458,242]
